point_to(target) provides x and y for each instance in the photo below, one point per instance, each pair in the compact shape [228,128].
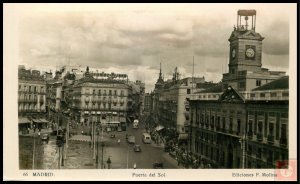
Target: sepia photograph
[150,92]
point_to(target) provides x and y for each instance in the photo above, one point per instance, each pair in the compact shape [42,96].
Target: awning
[44,121]
[183,136]
[159,127]
[39,120]
[24,120]
[114,112]
[115,122]
[98,112]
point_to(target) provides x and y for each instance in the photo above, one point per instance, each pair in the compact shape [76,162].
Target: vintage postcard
[150,92]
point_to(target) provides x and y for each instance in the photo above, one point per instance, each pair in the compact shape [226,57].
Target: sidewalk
[31,132]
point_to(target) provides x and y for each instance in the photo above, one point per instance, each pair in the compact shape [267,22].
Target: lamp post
[33,154]
[97,147]
[243,147]
[102,145]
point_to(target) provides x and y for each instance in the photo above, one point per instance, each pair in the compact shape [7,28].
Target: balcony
[259,137]
[283,142]
[206,124]
[271,139]
[212,126]
[94,99]
[250,134]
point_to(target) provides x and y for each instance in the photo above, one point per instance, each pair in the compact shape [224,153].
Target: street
[80,155]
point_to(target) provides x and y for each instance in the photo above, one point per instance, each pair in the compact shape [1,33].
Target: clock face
[250,53]
[233,53]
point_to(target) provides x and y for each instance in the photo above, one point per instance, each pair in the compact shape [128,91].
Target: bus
[135,123]
[146,138]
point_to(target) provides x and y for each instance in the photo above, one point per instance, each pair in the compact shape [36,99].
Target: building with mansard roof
[31,99]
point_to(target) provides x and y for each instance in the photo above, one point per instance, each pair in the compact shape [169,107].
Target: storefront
[24,125]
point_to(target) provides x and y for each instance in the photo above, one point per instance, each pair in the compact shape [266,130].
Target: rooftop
[279,84]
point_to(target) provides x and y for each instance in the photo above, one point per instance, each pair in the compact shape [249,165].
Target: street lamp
[102,145]
[97,146]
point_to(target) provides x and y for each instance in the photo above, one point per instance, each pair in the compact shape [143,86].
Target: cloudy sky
[135,38]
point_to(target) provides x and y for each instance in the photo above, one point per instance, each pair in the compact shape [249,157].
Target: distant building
[96,99]
[137,96]
[171,102]
[148,103]
[31,99]
[242,121]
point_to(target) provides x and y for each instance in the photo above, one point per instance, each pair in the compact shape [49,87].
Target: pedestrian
[134,166]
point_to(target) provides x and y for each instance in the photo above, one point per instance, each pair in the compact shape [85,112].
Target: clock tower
[245,51]
[245,44]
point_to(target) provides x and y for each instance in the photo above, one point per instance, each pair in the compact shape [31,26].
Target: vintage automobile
[158,165]
[137,148]
[45,138]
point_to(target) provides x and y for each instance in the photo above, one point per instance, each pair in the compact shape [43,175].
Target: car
[158,165]
[112,135]
[45,138]
[137,148]
[131,139]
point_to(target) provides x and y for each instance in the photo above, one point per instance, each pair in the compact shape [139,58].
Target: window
[252,95]
[271,128]
[260,124]
[223,125]
[188,91]
[34,89]
[109,92]
[258,82]
[250,126]
[19,87]
[115,92]
[29,88]
[242,85]
[232,71]
[42,89]
[212,122]
[273,94]
[238,126]
[262,94]
[285,94]
[218,122]
[99,92]
[94,92]
[283,131]
[230,125]
[122,93]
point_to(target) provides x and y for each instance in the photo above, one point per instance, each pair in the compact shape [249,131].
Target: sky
[135,38]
